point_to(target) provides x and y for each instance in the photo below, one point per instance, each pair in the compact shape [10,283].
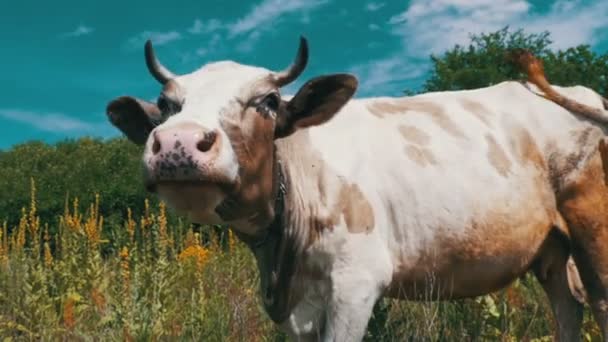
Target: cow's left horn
[162,74]
[293,71]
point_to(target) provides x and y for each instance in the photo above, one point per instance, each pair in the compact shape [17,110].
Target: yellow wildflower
[124,269]
[68,313]
[4,241]
[190,239]
[19,236]
[48,256]
[195,253]
[2,248]
[162,225]
[231,240]
[33,219]
[73,220]
[94,224]
[146,220]
[130,224]
[98,299]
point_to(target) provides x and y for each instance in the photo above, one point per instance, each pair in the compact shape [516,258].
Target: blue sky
[62,61]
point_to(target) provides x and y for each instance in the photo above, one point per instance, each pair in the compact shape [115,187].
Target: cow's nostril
[207,142]
[155,146]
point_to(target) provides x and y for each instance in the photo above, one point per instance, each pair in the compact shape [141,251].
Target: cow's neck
[302,191]
[276,223]
[275,252]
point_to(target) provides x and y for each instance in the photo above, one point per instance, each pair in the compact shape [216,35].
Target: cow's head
[209,139]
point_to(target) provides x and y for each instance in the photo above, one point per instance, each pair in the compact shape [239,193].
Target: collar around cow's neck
[276,245]
[276,251]
[274,229]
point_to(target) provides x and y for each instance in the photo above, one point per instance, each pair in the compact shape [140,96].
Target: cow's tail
[536,75]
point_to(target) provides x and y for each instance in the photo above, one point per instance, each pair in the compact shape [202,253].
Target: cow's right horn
[160,73]
[294,70]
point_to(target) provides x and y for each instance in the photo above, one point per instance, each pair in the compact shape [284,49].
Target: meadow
[77,264]
[149,280]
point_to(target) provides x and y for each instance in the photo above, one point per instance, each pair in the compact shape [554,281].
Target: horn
[293,71]
[160,73]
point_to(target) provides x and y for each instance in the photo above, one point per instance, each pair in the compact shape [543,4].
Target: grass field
[147,280]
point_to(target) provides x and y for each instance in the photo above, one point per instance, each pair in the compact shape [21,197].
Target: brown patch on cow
[584,202]
[356,209]
[525,149]
[442,119]
[498,157]
[478,110]
[603,148]
[381,108]
[560,224]
[414,135]
[251,135]
[419,155]
[570,162]
[487,258]
[318,198]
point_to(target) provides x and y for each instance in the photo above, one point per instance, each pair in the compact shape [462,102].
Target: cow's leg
[305,323]
[351,303]
[584,205]
[552,273]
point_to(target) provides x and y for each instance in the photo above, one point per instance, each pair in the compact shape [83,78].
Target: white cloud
[374,6]
[387,75]
[434,26]
[262,15]
[373,27]
[248,43]
[158,38]
[50,122]
[572,23]
[81,30]
[194,56]
[200,27]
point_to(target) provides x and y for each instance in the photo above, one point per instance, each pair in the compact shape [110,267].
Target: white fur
[207,92]
[430,202]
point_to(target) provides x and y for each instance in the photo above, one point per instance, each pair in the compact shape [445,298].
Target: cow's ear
[134,117]
[315,103]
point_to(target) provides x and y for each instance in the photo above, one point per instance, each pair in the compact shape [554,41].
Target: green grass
[147,280]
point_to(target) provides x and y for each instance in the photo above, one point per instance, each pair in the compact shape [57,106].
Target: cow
[344,201]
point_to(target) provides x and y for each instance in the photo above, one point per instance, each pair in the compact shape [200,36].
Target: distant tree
[72,168]
[482,63]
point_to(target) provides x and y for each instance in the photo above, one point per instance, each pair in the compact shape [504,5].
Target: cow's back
[457,181]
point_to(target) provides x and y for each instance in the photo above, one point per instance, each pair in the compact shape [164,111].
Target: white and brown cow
[343,201]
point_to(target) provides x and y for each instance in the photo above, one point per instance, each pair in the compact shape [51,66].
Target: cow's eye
[168,106]
[163,104]
[271,101]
